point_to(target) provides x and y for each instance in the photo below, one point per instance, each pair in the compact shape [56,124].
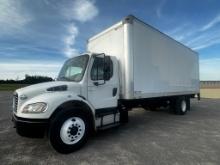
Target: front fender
[53,100]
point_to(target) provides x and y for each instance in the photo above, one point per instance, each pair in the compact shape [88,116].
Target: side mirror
[100,69]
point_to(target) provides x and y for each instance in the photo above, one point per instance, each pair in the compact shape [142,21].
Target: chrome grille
[15,102]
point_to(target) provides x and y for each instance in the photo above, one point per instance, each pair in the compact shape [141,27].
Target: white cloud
[181,32]
[15,16]
[70,52]
[12,16]
[69,41]
[73,31]
[18,69]
[209,69]
[204,40]
[212,23]
[81,10]
[206,44]
[160,8]
[189,35]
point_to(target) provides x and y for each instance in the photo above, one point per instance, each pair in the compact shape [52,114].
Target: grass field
[11,87]
[213,93]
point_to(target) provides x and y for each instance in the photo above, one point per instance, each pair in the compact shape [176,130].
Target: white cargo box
[151,63]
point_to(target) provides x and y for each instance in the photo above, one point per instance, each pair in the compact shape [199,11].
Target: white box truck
[130,64]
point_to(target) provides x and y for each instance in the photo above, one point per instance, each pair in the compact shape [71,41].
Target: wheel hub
[72,130]
[183,105]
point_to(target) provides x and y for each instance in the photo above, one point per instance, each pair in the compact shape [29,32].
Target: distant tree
[36,79]
[28,80]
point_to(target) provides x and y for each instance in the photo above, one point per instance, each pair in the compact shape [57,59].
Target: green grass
[11,87]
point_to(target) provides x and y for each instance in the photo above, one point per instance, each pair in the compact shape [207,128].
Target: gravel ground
[150,137]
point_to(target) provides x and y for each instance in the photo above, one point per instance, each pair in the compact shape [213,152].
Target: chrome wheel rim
[72,130]
[183,106]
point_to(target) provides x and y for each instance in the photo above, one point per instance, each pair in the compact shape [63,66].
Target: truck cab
[97,75]
[82,99]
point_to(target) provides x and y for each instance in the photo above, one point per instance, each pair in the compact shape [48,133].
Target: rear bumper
[30,127]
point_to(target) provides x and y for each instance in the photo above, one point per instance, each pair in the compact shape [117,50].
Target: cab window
[101,70]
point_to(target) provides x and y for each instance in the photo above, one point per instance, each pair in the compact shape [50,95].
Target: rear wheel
[181,105]
[68,131]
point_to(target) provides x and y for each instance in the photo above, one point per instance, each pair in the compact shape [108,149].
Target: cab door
[103,82]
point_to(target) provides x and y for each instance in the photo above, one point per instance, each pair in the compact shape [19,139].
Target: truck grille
[15,102]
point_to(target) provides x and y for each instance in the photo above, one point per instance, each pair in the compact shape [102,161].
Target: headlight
[35,108]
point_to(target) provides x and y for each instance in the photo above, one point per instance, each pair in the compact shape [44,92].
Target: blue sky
[37,36]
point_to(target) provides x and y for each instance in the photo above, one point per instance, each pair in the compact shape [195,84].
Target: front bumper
[30,127]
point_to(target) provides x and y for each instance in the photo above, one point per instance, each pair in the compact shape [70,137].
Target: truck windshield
[73,69]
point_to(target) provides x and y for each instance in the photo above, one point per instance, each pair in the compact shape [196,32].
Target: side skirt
[107,117]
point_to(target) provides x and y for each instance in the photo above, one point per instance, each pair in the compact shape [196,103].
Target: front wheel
[68,131]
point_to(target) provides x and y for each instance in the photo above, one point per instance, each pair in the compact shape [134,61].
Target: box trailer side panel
[162,66]
[151,64]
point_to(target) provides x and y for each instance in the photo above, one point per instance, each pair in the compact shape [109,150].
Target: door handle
[114,91]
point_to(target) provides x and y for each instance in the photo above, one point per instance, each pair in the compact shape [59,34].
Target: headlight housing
[35,108]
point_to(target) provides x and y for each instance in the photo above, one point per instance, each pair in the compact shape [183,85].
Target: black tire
[124,116]
[182,105]
[172,106]
[152,108]
[188,103]
[55,129]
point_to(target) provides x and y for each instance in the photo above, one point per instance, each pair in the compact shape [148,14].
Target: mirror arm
[96,83]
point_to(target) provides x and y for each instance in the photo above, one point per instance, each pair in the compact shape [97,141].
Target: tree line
[28,80]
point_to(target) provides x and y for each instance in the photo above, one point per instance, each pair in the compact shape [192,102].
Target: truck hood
[54,86]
